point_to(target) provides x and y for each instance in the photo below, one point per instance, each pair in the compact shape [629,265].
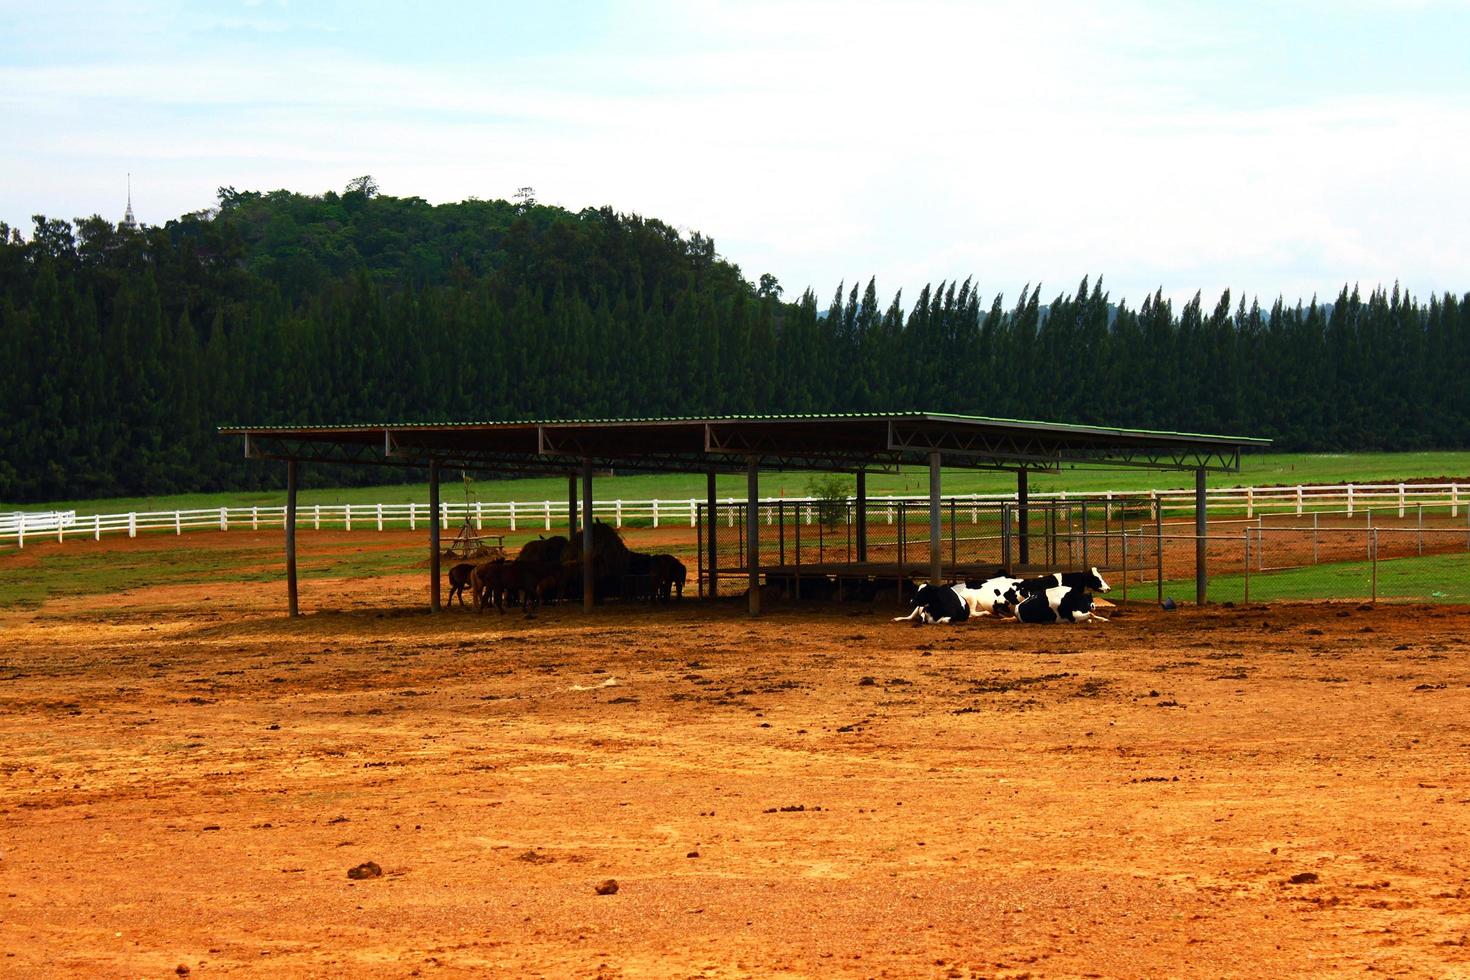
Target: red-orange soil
[187,776]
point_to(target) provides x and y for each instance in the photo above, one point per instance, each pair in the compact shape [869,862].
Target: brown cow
[487,581]
[668,574]
[459,579]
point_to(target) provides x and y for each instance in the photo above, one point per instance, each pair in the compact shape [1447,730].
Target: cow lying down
[1058,597]
[941,604]
[1059,604]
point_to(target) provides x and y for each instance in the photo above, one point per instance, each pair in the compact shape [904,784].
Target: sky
[1272,148]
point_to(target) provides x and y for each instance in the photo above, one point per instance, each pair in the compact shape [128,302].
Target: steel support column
[434,536]
[1023,517]
[936,553]
[712,519]
[1201,528]
[588,572]
[291,538]
[753,534]
[862,515]
[571,507]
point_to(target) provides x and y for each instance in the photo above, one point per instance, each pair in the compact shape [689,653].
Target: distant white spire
[128,220]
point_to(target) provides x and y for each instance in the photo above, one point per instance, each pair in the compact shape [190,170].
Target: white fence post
[1299,500]
[60,530]
[96,527]
[1454,500]
[178,524]
[1401,500]
[380,517]
[479,517]
[20,533]
[413,516]
[224,519]
[316,517]
[693,511]
[1350,500]
[132,525]
[512,515]
[255,519]
[548,515]
[655,512]
[618,513]
[730,512]
[347,518]
[1250,502]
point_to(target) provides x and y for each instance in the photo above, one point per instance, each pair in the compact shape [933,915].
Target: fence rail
[1254,503]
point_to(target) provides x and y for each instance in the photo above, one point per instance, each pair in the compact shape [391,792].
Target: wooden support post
[1201,527]
[571,507]
[291,603]
[862,515]
[1023,517]
[753,534]
[936,553]
[711,518]
[589,578]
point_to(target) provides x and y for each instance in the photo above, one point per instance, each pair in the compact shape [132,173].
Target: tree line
[126,347]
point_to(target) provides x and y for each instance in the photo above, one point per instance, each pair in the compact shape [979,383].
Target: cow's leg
[918,611]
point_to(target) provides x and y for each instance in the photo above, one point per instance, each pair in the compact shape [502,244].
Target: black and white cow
[990,597]
[1073,580]
[938,604]
[1061,603]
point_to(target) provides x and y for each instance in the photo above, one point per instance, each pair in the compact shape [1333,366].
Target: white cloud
[820,142]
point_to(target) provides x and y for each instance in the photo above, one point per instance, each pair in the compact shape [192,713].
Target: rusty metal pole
[1023,517]
[1201,528]
[571,507]
[712,517]
[753,534]
[434,535]
[589,578]
[936,552]
[291,538]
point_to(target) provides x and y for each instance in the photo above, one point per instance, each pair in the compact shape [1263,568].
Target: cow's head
[923,596]
[1097,582]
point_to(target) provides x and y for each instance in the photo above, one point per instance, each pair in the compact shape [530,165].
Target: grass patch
[60,573]
[1431,578]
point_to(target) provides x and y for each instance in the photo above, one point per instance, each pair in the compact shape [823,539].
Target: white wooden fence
[545,515]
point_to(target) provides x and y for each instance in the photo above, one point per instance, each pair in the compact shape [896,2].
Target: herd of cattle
[551,570]
[1061,597]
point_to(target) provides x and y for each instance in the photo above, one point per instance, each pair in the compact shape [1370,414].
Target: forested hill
[125,348]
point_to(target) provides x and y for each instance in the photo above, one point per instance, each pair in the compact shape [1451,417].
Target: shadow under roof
[871,440]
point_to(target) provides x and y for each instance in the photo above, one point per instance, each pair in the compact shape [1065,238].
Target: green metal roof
[794,417]
[846,440]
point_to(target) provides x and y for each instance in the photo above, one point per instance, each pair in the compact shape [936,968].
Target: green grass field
[1432,578]
[1269,469]
[79,573]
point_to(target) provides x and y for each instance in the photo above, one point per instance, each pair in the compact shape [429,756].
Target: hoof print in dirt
[1305,878]
[364,871]
[608,887]
[535,857]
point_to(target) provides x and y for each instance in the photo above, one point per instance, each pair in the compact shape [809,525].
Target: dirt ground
[186,777]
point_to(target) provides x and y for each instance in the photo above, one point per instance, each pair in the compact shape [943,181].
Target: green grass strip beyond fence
[1432,578]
